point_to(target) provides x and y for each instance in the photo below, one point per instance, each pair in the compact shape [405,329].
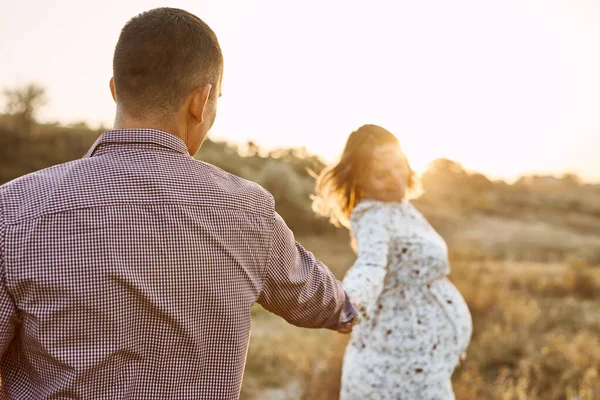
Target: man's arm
[8,311]
[301,289]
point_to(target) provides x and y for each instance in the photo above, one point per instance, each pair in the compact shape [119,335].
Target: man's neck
[127,122]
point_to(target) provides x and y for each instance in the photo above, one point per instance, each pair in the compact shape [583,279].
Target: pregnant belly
[418,322]
[455,309]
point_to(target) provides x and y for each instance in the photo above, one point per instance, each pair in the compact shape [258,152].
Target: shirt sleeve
[364,280]
[300,288]
[8,311]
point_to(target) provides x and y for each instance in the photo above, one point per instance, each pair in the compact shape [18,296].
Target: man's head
[167,71]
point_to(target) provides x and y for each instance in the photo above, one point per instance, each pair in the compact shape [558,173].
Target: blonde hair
[338,188]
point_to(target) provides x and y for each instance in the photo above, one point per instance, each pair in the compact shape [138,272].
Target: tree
[444,166]
[23,103]
[252,149]
[444,176]
[479,183]
[571,179]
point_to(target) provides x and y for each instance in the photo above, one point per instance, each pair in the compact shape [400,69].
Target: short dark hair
[161,56]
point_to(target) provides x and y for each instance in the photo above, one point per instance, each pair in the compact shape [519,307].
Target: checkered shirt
[131,272]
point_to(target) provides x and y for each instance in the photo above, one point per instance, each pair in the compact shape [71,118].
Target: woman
[414,325]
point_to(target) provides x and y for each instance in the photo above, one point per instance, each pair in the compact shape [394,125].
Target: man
[131,273]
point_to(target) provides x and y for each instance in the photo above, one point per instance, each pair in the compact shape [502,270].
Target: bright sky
[504,87]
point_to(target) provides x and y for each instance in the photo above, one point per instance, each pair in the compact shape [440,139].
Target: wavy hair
[339,188]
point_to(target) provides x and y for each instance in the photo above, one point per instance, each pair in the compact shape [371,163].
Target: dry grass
[519,240]
[536,336]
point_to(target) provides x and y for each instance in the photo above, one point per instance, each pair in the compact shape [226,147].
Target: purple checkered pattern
[131,273]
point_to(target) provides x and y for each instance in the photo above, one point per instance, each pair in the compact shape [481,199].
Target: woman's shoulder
[375,209]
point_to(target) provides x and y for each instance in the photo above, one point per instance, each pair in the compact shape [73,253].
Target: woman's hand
[348,327]
[462,359]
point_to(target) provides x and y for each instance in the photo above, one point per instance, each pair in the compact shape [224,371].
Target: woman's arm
[364,280]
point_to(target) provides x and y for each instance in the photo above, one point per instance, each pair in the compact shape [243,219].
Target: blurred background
[495,105]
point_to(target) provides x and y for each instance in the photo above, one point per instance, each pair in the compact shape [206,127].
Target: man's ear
[112,89]
[199,98]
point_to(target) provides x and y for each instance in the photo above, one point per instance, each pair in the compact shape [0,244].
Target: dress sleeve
[364,280]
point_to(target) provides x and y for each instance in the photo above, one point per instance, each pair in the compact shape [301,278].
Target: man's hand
[348,327]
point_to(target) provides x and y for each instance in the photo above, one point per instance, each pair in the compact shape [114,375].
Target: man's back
[131,273]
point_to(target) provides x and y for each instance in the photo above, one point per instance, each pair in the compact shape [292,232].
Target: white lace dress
[415,324]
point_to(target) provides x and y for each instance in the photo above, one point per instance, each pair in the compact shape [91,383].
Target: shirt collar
[136,136]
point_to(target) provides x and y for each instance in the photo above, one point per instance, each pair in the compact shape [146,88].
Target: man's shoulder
[26,191]
[37,182]
[247,194]
[84,182]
